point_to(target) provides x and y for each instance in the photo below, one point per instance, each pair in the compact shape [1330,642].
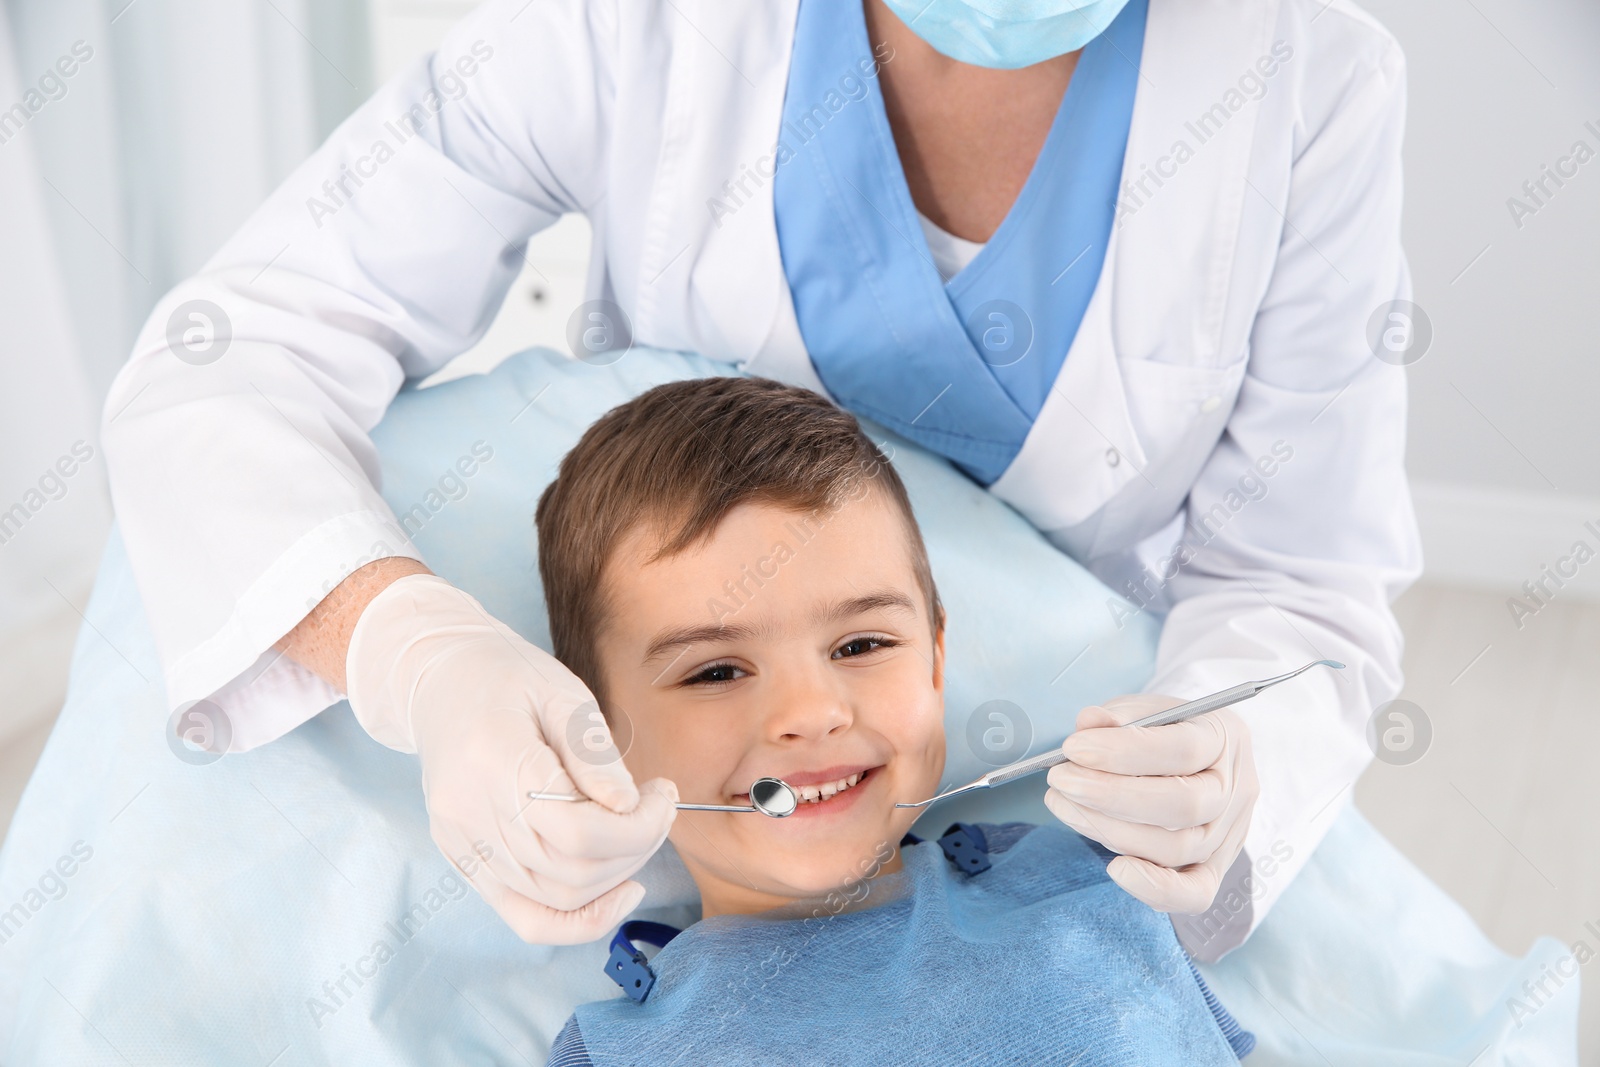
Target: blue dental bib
[1027,953]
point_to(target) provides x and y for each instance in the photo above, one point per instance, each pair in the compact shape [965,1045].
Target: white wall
[1504,434]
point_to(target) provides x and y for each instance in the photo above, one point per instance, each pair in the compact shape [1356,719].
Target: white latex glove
[491,716]
[1174,800]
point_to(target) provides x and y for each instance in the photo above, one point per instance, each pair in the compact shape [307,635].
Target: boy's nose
[802,709]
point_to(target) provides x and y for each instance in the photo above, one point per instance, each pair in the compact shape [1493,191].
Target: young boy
[734,570]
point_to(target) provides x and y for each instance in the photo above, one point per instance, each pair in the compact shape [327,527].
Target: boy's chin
[844,872]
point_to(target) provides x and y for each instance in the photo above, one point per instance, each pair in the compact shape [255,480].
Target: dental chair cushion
[287,906]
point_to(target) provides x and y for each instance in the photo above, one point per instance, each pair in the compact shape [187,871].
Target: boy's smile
[785,645]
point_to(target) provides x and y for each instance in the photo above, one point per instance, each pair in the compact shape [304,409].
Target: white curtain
[135,136]
[50,525]
[188,114]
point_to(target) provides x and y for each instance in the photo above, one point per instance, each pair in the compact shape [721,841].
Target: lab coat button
[1113,457]
[1210,404]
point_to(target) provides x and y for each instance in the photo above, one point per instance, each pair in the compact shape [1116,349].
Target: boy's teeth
[815,794]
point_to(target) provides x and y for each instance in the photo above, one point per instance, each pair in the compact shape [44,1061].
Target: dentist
[1129,264]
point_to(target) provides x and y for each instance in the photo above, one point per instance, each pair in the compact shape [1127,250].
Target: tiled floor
[1500,809]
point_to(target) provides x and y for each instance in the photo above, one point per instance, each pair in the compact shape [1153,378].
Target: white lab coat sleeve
[245,486]
[1300,530]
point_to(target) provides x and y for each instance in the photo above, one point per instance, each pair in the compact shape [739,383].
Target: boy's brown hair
[678,459]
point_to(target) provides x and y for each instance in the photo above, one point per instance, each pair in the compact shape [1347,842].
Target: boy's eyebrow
[881,600]
[682,637]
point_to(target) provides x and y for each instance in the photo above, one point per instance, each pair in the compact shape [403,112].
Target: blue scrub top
[962,367]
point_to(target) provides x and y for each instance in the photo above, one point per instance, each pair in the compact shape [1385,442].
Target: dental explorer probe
[1181,713]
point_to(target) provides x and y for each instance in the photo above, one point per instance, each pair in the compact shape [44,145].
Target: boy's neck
[720,897]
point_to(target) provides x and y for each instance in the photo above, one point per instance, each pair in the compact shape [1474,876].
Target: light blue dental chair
[286,906]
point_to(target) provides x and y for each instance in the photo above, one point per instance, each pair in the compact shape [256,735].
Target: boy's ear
[938,660]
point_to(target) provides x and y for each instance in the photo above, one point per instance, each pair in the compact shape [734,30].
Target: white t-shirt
[950,253]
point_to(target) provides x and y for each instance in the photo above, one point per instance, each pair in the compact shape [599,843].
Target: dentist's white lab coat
[1258,231]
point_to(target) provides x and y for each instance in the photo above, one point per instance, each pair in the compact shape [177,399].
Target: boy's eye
[860,646]
[714,674]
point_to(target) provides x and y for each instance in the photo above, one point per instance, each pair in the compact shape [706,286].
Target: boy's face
[785,646]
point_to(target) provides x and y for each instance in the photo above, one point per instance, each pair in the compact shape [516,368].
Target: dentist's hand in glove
[428,670]
[1174,801]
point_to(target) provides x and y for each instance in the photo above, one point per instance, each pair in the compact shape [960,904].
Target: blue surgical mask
[1006,34]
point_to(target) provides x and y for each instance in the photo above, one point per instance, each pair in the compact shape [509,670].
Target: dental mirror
[772,797]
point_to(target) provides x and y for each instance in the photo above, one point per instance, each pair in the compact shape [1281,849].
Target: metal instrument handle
[1033,765]
[1046,760]
[680,807]
[1199,707]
